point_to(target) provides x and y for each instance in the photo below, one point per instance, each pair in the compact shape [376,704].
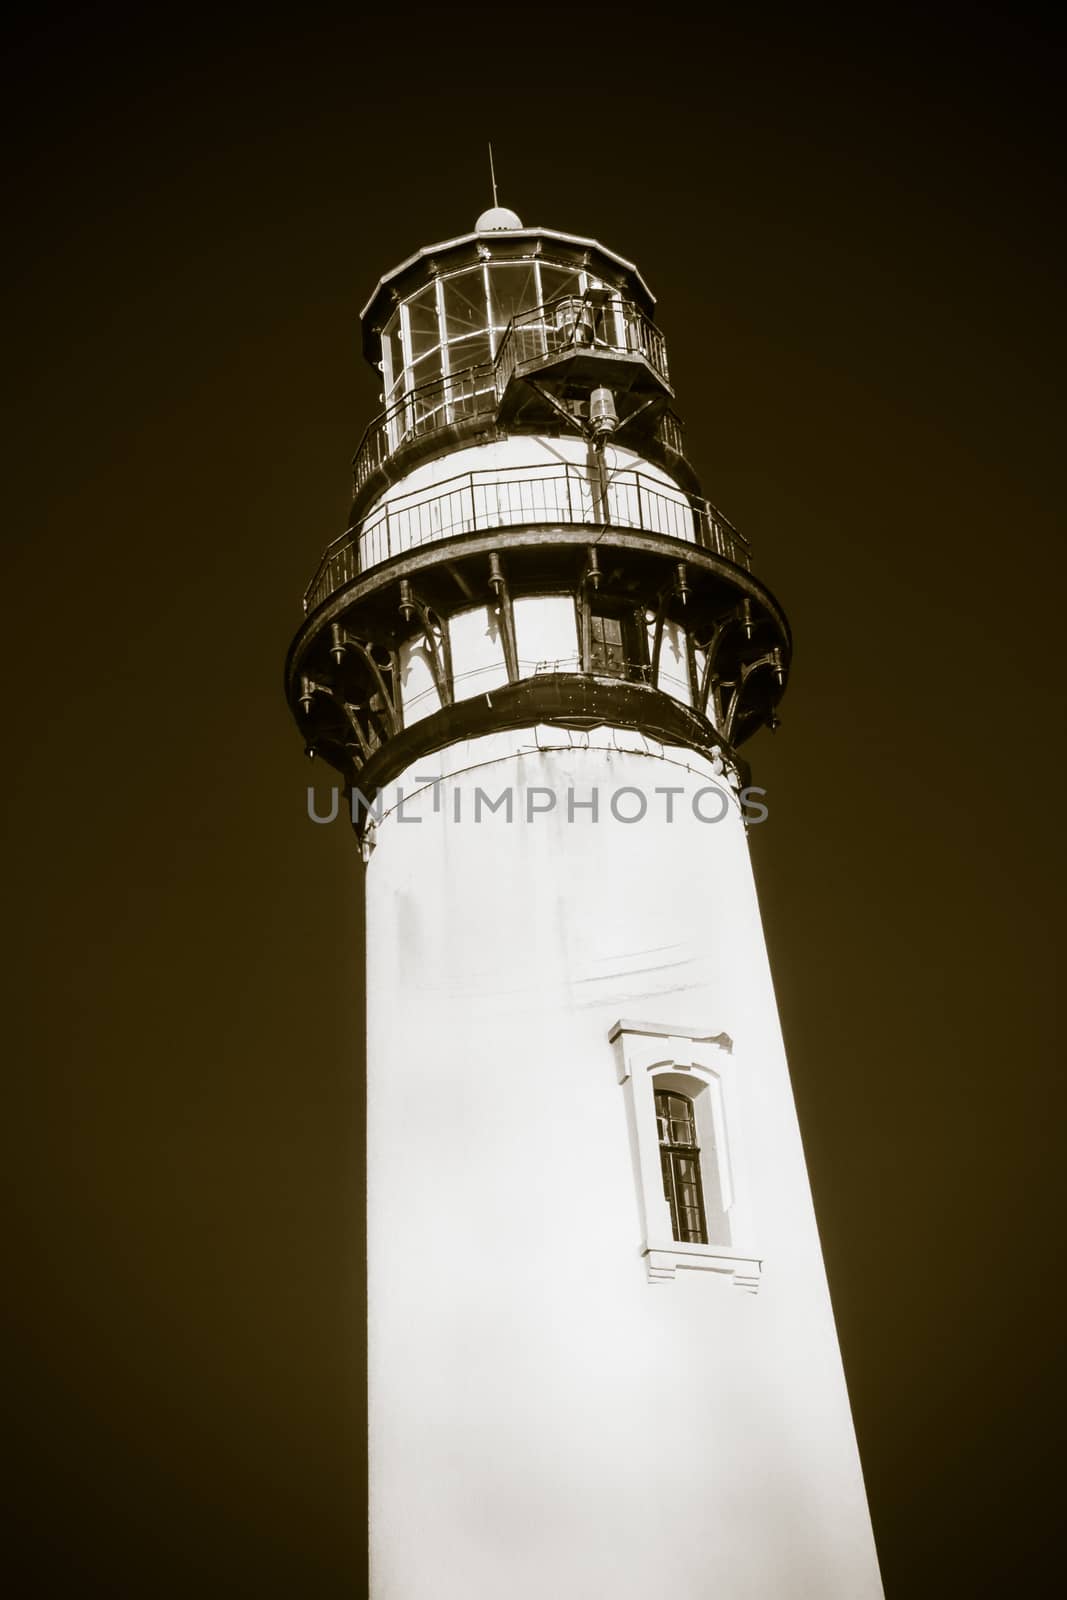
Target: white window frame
[652,1055]
[446,365]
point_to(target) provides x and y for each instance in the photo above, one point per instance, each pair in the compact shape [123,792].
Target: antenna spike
[492,175]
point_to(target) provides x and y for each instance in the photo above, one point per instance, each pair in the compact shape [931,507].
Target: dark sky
[852,228]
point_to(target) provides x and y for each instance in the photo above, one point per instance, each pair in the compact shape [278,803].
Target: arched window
[682,1104]
[679,1154]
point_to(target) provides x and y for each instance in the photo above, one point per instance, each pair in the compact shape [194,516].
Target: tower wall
[557,1408]
[602,1358]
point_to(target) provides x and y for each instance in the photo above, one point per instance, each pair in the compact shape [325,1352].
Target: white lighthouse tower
[602,1358]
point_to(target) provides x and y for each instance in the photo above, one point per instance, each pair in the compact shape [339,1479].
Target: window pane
[682,1129]
[470,352]
[556,281]
[690,1198]
[465,309]
[393,360]
[513,289]
[422,316]
[682,1182]
[688,1178]
[607,652]
[607,629]
[427,370]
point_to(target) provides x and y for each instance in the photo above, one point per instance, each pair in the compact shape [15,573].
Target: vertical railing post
[640,507]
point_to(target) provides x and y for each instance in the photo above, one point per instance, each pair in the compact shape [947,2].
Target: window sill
[664,1260]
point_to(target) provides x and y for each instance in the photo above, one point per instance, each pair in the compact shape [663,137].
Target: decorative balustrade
[519,496]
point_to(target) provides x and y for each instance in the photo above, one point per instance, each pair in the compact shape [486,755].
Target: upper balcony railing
[433,405]
[578,323]
[567,495]
[538,336]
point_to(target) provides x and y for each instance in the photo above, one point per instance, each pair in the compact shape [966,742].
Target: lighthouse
[601,1352]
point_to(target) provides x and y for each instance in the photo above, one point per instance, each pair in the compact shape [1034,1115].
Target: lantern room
[518,327]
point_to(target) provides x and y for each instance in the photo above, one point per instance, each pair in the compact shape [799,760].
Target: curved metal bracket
[370,735]
[435,634]
[772,659]
[341,641]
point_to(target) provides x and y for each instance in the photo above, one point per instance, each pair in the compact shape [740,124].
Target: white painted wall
[517,450]
[419,694]
[545,1423]
[546,634]
[477,643]
[673,675]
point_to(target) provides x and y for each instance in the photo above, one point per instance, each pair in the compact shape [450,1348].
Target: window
[681,1087]
[556,282]
[424,333]
[466,319]
[607,653]
[616,644]
[513,289]
[679,1155]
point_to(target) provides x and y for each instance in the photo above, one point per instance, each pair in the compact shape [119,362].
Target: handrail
[423,410]
[575,322]
[494,498]
[570,322]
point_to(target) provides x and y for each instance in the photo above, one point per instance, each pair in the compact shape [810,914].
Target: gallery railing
[518,496]
[575,323]
[538,335]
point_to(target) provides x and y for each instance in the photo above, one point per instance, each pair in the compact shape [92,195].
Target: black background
[851,224]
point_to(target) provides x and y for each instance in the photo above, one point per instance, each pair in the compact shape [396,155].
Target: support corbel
[435,634]
[499,585]
[709,681]
[361,720]
[568,416]
[590,580]
[644,406]
[772,659]
[341,642]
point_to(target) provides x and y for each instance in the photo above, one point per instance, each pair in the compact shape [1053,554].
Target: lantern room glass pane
[392,359]
[470,352]
[557,281]
[422,320]
[465,308]
[512,288]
